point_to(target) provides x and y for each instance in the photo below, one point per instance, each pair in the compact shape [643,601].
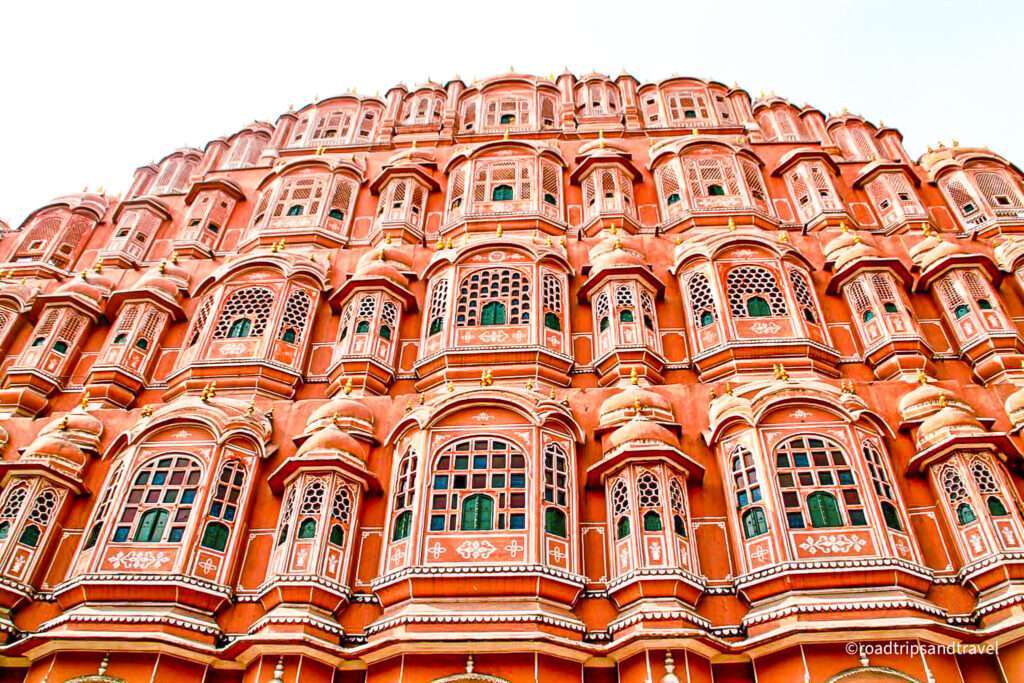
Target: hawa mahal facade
[517,380]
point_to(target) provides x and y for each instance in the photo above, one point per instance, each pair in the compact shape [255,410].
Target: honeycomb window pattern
[745,282]
[252,303]
[506,286]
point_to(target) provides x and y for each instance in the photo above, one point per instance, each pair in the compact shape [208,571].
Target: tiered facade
[518,380]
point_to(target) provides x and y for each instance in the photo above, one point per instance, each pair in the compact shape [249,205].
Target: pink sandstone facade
[526,379]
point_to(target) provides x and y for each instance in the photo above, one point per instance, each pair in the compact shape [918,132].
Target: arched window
[804,299]
[648,495]
[296,314]
[310,508]
[677,501]
[956,493]
[880,481]
[502,193]
[160,500]
[754,292]
[647,305]
[438,307]
[341,515]
[603,310]
[199,322]
[12,508]
[61,347]
[39,517]
[744,476]
[556,489]
[988,488]
[405,485]
[507,288]
[817,468]
[483,479]
[477,513]
[245,313]
[100,516]
[702,302]
[620,509]
[224,505]
[754,523]
[552,296]
[388,319]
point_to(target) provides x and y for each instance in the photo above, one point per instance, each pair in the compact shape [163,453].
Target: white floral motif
[833,543]
[475,550]
[765,328]
[557,554]
[436,550]
[494,336]
[483,416]
[233,349]
[800,414]
[139,559]
[514,548]
[761,553]
[207,565]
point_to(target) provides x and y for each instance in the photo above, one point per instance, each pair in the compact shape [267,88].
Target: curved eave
[643,451]
[332,166]
[850,270]
[356,283]
[146,202]
[347,463]
[871,171]
[585,163]
[89,307]
[794,157]
[999,442]
[927,277]
[596,278]
[224,185]
[287,267]
[40,469]
[158,298]
[415,170]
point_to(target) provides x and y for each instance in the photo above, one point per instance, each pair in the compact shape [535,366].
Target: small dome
[166,278]
[724,404]
[844,240]
[930,250]
[375,269]
[77,427]
[1015,407]
[926,399]
[624,403]
[642,429]
[948,422]
[618,258]
[62,452]
[345,409]
[858,251]
[334,440]
[88,285]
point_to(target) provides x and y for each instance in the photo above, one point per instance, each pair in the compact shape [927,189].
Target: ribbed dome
[844,240]
[169,282]
[948,422]
[1015,407]
[628,399]
[642,429]
[924,400]
[344,408]
[857,251]
[724,404]
[930,250]
[78,426]
[374,269]
[616,258]
[65,454]
[91,286]
[333,439]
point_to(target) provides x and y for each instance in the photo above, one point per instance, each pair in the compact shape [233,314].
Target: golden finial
[387,240]
[163,267]
[348,386]
[600,138]
[922,378]
[695,132]
[617,244]
[529,384]
[779,371]
[485,378]
[505,136]
[98,268]
[320,150]
[408,407]
[956,143]
[712,395]
[147,411]
[548,241]
[451,386]
[783,236]
[174,258]
[251,408]
[634,379]
[679,239]
[842,227]
[63,426]
[856,239]
[926,230]
[637,405]
[732,224]
[413,144]
[499,230]
[613,229]
[380,255]
[847,387]
[84,275]
[84,403]
[728,388]
[930,148]
[942,401]
[551,394]
[209,391]
[561,241]
[423,399]
[451,244]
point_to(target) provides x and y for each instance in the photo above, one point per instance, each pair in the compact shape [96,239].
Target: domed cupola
[1015,408]
[925,400]
[344,412]
[621,406]
[948,423]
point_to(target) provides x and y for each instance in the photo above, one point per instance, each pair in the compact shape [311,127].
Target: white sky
[91,90]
